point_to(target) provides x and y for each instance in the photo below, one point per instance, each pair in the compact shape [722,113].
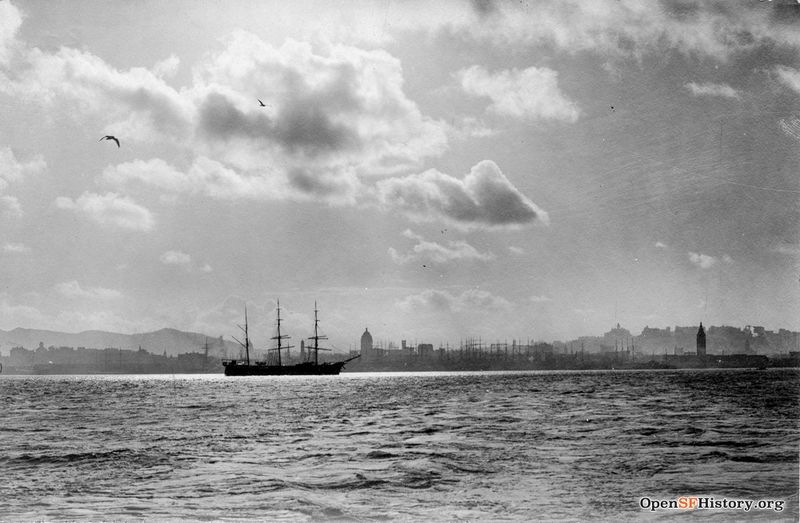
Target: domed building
[366,344]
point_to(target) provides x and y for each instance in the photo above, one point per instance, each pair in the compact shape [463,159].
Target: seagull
[109,137]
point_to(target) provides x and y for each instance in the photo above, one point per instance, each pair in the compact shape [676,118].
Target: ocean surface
[499,446]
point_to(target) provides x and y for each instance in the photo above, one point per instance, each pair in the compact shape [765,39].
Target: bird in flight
[262,104]
[109,137]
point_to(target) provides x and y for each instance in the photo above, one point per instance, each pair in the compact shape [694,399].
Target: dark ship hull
[247,367]
[241,368]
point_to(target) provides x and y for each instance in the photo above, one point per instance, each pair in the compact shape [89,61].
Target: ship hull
[236,368]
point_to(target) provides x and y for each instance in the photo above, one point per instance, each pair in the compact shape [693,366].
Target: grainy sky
[430,170]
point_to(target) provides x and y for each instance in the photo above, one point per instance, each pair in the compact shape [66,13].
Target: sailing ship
[275,366]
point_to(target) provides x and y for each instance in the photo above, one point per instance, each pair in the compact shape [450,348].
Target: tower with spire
[701,341]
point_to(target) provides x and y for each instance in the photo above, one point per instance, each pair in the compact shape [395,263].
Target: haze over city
[431,172]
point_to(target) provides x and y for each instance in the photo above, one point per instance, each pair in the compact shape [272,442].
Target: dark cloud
[321,183]
[483,7]
[301,126]
[681,10]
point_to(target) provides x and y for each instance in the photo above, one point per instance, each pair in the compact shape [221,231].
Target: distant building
[425,350]
[701,341]
[366,344]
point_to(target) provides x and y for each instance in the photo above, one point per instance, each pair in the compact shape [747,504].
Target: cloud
[11,171]
[531,93]
[470,127]
[789,76]
[10,207]
[213,179]
[661,245]
[110,209]
[16,248]
[516,250]
[623,28]
[72,289]
[438,253]
[703,261]
[789,249]
[10,22]
[333,114]
[485,198]
[168,67]
[20,315]
[182,260]
[178,258]
[472,300]
[541,299]
[711,89]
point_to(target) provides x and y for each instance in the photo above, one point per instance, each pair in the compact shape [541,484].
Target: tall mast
[316,337]
[246,343]
[279,348]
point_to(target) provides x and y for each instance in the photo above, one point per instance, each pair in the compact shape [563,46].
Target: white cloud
[789,249]
[531,93]
[178,258]
[11,171]
[485,198]
[703,261]
[110,209]
[618,28]
[789,76]
[661,245]
[16,315]
[168,67]
[184,261]
[541,299]
[205,177]
[711,89]
[10,207]
[16,248]
[438,253]
[72,289]
[333,114]
[10,22]
[472,300]
[516,250]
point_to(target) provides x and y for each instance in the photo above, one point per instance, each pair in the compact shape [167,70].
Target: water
[410,447]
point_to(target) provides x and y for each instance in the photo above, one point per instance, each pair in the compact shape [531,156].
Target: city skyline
[451,170]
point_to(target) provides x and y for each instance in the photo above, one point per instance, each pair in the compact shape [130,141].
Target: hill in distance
[172,341]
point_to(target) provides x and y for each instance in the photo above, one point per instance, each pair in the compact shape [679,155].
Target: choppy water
[420,447]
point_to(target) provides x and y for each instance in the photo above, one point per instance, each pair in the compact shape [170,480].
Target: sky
[431,171]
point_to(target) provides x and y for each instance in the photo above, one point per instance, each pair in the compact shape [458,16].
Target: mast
[246,337]
[279,348]
[316,337]
[246,343]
